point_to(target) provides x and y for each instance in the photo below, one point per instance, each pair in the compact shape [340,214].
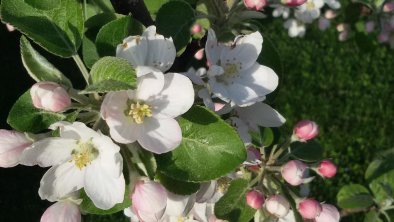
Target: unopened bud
[50,96]
[277,205]
[309,208]
[255,199]
[12,144]
[197,28]
[294,172]
[10,28]
[306,130]
[62,211]
[329,213]
[256,5]
[388,7]
[199,54]
[327,169]
[294,3]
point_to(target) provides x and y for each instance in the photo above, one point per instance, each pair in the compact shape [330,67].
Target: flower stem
[82,68]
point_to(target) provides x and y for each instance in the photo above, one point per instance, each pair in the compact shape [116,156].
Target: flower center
[310,5]
[230,70]
[138,111]
[84,154]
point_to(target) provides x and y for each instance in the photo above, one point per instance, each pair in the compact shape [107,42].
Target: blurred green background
[347,88]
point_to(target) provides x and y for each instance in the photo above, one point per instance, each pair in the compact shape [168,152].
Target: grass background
[347,88]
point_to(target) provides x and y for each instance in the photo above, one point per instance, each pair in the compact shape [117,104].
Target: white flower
[334,4]
[80,158]
[62,211]
[234,75]
[295,28]
[309,11]
[148,52]
[280,10]
[147,113]
[12,144]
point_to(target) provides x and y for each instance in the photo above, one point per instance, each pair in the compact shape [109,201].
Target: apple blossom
[255,199]
[334,4]
[309,11]
[79,158]
[329,213]
[294,172]
[330,14]
[309,208]
[50,96]
[280,10]
[326,169]
[147,113]
[277,205]
[148,52]
[149,200]
[255,4]
[234,75]
[295,28]
[62,211]
[12,144]
[306,130]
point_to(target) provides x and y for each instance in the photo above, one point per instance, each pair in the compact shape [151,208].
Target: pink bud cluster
[256,5]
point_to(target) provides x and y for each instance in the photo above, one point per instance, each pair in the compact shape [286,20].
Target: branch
[137,8]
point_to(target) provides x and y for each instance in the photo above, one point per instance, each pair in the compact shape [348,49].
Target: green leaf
[113,33]
[56,25]
[93,26]
[175,19]
[382,164]
[354,196]
[111,74]
[87,205]
[372,216]
[153,6]
[38,67]
[210,148]
[25,117]
[383,187]
[232,206]
[177,186]
[307,151]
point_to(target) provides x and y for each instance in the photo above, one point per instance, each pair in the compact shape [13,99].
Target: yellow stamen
[230,70]
[84,154]
[310,5]
[138,111]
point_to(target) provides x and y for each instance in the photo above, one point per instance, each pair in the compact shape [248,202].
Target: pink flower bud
[199,54]
[62,211]
[12,144]
[327,169]
[328,214]
[255,199]
[277,205]
[294,172]
[330,14]
[306,130]
[388,7]
[309,208]
[294,3]
[149,200]
[10,28]
[256,5]
[197,28]
[49,96]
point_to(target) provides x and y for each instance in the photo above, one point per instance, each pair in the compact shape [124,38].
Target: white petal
[11,157]
[212,48]
[104,144]
[176,98]
[260,114]
[48,152]
[160,135]
[101,187]
[134,49]
[195,76]
[143,70]
[206,97]
[199,212]
[60,181]
[62,212]
[75,130]
[161,51]
[242,130]
[245,52]
[149,86]
[206,192]
[176,204]
[10,139]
